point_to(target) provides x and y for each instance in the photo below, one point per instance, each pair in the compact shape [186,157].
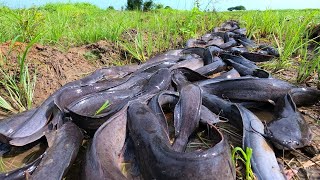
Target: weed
[245,159]
[20,86]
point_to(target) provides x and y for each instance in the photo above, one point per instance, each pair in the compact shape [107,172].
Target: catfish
[288,130]
[157,160]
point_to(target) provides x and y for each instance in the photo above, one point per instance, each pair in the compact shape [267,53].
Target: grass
[19,86]
[68,25]
[244,156]
[141,35]
[103,107]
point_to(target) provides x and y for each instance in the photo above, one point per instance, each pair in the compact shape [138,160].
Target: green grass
[244,156]
[19,86]
[103,107]
[141,35]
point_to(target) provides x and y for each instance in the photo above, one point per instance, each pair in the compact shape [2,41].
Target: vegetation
[238,8]
[19,86]
[244,156]
[144,34]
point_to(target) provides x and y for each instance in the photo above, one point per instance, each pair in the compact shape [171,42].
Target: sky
[219,5]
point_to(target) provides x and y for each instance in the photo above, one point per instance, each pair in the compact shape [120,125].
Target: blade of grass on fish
[103,107]
[246,160]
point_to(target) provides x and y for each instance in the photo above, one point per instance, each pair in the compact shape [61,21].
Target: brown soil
[55,68]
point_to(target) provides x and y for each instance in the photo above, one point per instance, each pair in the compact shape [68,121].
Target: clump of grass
[19,86]
[244,157]
[309,64]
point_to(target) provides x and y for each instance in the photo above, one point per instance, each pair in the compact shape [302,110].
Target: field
[43,48]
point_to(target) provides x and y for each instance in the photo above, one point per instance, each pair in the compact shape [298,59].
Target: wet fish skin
[102,159]
[240,60]
[60,156]
[195,43]
[189,75]
[152,145]
[40,117]
[305,96]
[230,43]
[271,51]
[10,124]
[233,73]
[205,53]
[134,80]
[156,103]
[247,88]
[74,93]
[192,64]
[159,81]
[247,42]
[238,50]
[21,173]
[83,111]
[245,71]
[263,160]
[56,122]
[216,66]
[257,57]
[186,115]
[288,130]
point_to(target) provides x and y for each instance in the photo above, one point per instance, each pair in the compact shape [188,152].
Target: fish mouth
[290,144]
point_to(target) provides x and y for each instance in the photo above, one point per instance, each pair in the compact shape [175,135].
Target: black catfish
[305,96]
[23,172]
[103,156]
[263,160]
[41,116]
[288,130]
[246,71]
[186,115]
[248,88]
[85,111]
[257,57]
[158,161]
[216,66]
[62,151]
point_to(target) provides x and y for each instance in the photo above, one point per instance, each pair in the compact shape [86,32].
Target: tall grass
[68,25]
[19,86]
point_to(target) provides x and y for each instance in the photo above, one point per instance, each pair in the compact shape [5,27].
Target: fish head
[289,132]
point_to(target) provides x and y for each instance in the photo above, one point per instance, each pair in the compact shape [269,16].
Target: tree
[148,5]
[236,8]
[134,4]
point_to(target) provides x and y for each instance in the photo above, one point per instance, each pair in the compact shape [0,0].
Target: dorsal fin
[289,101]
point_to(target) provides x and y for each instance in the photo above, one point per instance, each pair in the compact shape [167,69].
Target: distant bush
[236,8]
[111,8]
[158,6]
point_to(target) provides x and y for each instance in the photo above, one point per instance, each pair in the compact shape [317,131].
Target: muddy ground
[55,68]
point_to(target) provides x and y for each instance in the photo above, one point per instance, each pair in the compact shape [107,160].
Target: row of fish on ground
[122,110]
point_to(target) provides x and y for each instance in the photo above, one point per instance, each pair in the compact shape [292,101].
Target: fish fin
[289,101]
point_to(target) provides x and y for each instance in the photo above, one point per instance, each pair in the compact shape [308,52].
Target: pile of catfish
[122,112]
